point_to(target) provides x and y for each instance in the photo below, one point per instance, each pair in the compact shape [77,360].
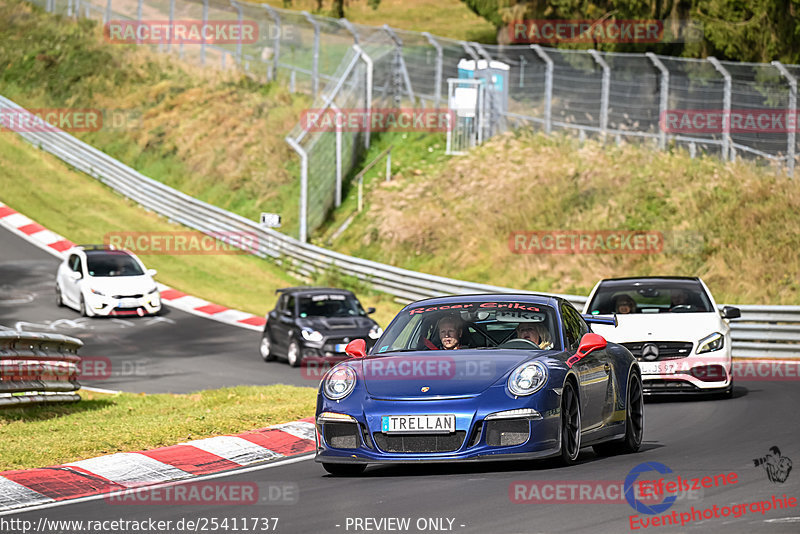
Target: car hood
[662,327]
[331,325]
[122,285]
[446,373]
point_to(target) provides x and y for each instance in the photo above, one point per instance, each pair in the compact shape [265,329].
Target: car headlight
[375,332]
[711,343]
[527,379]
[311,335]
[97,292]
[154,290]
[339,382]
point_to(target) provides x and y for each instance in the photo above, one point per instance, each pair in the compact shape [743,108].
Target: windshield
[112,265]
[679,296]
[475,325]
[332,305]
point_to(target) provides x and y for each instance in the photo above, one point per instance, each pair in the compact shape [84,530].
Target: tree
[337,6]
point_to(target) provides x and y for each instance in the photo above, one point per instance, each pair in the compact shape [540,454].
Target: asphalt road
[176,352]
[695,438]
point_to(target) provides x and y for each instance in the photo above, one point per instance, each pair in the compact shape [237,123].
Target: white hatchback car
[102,280]
[673,327]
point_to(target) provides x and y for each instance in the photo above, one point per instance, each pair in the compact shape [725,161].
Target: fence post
[276,46]
[437,95]
[171,24]
[69,8]
[522,63]
[106,15]
[335,108]
[368,62]
[603,92]
[389,165]
[548,87]
[347,25]
[663,101]
[401,64]
[139,9]
[240,20]
[315,57]
[203,36]
[726,106]
[791,117]
[303,187]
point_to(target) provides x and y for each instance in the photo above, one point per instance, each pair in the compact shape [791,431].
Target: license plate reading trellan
[418,424]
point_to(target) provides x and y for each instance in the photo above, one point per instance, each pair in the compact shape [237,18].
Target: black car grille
[412,443]
[668,386]
[507,432]
[667,350]
[342,435]
[136,296]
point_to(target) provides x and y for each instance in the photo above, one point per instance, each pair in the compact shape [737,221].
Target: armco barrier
[762,331]
[38,368]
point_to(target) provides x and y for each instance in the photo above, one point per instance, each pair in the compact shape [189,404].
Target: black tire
[634,423]
[344,470]
[59,299]
[265,348]
[570,425]
[293,355]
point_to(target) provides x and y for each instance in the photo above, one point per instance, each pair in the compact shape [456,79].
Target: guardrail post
[315,57]
[726,106]
[303,188]
[276,45]
[437,94]
[347,25]
[603,92]
[548,87]
[239,20]
[791,117]
[663,101]
[368,97]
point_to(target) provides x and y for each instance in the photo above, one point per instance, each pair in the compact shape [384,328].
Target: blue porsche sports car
[480,377]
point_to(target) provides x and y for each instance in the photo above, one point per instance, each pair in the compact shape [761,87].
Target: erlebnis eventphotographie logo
[777,467]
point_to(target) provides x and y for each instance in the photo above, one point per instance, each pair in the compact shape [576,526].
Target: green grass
[129,422]
[453,216]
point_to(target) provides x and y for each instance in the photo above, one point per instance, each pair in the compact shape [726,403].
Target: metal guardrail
[38,368]
[762,330]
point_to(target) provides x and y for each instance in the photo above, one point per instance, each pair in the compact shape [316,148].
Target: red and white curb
[57,245]
[125,470]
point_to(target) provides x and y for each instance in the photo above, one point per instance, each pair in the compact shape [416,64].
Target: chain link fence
[610,96]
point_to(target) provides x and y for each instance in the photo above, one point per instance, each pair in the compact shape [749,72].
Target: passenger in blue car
[535,333]
[450,329]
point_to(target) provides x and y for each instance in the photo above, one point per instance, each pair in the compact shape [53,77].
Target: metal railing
[38,368]
[762,330]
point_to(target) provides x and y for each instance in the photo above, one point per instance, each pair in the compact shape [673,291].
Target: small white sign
[271,220]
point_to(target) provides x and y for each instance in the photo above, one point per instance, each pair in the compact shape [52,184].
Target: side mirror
[731,312]
[75,275]
[152,272]
[356,348]
[370,310]
[589,343]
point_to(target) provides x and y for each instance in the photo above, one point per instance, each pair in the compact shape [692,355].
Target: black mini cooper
[315,322]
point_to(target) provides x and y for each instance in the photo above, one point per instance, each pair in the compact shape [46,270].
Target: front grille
[136,296]
[667,350]
[507,432]
[667,386]
[419,442]
[341,435]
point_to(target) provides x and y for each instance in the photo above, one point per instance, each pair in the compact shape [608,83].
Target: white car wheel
[293,354]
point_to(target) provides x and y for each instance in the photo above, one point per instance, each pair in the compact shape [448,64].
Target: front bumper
[694,374]
[103,305]
[475,439]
